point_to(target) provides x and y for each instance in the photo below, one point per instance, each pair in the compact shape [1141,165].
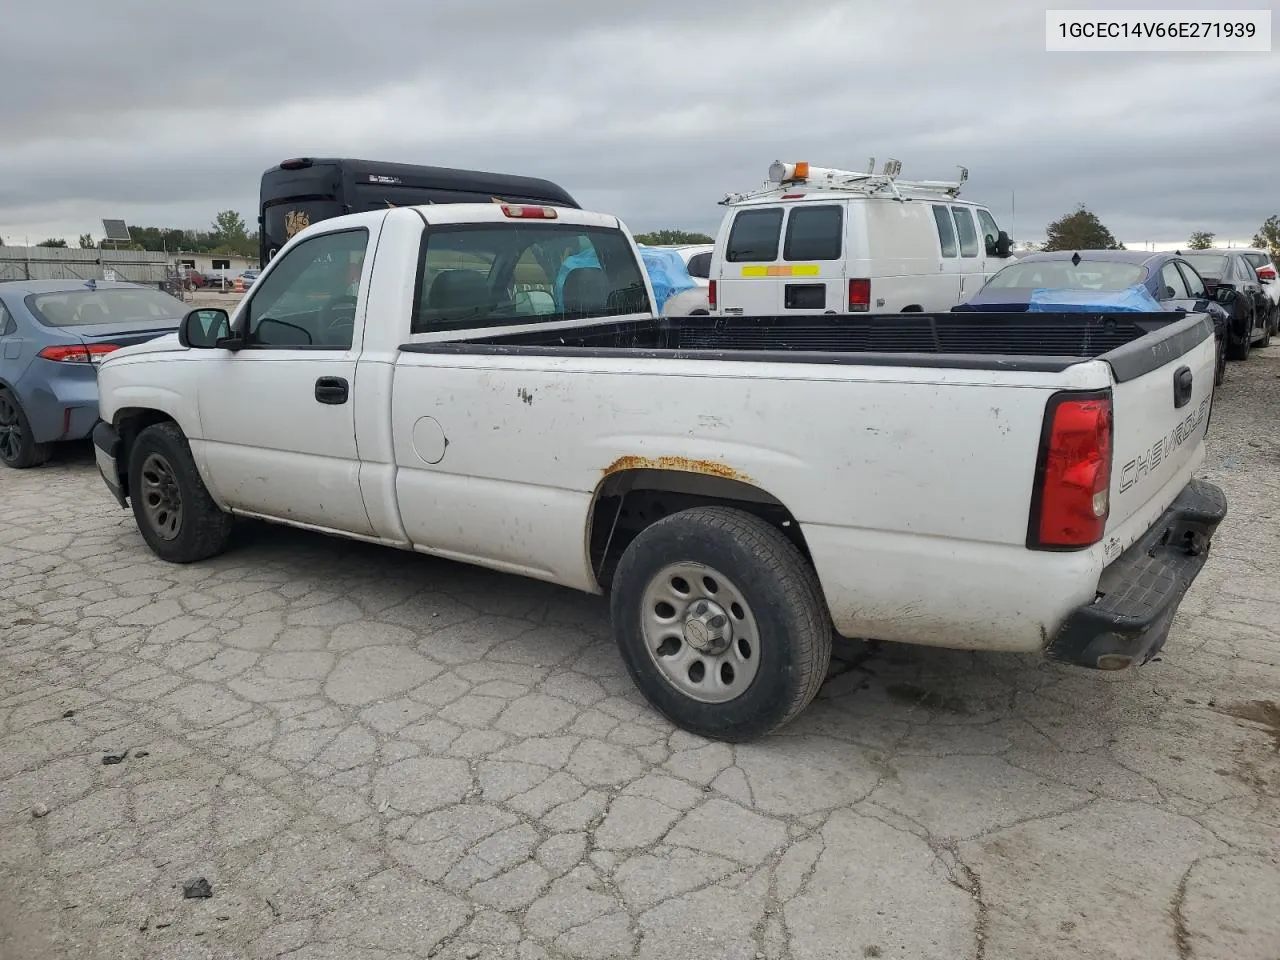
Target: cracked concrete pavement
[377,755]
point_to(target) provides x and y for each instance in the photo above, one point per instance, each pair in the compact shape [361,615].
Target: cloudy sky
[165,114]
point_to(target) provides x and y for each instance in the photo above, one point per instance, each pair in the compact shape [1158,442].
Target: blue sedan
[1166,281]
[52,335]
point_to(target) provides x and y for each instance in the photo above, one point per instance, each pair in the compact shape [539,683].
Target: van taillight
[1071,499]
[859,296]
[711,294]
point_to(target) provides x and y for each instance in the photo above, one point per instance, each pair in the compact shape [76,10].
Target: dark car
[1242,292]
[1167,277]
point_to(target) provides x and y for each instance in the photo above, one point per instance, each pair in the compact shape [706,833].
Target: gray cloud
[651,111]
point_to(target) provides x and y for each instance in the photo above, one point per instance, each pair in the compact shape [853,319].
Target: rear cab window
[754,236]
[497,274]
[814,233]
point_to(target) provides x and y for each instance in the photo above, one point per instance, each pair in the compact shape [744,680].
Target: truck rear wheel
[173,509]
[721,623]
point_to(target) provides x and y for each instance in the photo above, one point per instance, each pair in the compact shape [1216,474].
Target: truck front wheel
[173,509]
[721,623]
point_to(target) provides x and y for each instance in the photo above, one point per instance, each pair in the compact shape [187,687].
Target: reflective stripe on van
[790,270]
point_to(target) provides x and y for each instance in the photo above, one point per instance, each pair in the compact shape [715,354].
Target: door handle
[1182,387]
[332,390]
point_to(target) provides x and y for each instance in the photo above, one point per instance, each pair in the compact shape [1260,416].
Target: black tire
[196,528]
[783,602]
[1266,332]
[1238,347]
[18,448]
[1220,366]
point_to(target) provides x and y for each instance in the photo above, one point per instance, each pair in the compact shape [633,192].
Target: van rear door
[746,263]
[811,273]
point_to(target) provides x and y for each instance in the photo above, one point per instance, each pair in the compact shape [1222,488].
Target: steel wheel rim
[161,498]
[10,430]
[700,632]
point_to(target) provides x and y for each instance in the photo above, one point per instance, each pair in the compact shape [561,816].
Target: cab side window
[813,233]
[308,299]
[990,232]
[754,236]
[946,231]
[968,235]
[1195,286]
[1172,286]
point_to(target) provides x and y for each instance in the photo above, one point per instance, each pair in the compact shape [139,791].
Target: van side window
[754,236]
[700,265]
[968,235]
[813,233]
[946,232]
[990,232]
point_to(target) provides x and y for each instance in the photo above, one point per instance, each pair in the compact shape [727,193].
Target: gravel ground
[376,755]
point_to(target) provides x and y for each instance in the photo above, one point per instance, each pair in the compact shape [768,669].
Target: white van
[817,240]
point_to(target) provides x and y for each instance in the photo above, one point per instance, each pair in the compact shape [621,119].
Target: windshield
[79,308]
[1208,265]
[475,276]
[1106,275]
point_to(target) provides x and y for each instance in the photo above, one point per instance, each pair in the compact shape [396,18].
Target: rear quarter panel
[912,486]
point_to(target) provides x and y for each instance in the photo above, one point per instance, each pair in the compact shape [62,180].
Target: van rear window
[813,233]
[754,236]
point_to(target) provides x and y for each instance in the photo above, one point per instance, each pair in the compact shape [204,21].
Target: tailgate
[1161,403]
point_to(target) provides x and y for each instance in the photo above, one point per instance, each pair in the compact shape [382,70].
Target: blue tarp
[1129,300]
[667,273]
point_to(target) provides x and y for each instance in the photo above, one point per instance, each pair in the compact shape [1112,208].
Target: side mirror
[202,329]
[1004,244]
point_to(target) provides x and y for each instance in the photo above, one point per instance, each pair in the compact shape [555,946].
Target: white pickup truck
[440,379]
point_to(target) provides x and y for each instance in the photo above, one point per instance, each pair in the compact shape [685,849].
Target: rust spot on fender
[711,468]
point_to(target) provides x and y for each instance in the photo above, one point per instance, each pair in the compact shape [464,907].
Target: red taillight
[1266,273]
[77,353]
[859,296]
[297,163]
[711,294]
[526,211]
[1073,479]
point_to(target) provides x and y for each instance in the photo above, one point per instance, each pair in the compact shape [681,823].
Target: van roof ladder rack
[801,177]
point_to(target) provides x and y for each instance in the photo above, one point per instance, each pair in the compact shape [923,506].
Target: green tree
[1201,240]
[668,238]
[1268,237]
[87,242]
[52,242]
[1081,230]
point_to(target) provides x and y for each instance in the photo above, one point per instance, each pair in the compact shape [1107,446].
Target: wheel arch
[128,423]
[628,500]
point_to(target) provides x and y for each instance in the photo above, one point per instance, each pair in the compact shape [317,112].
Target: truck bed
[1132,344]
